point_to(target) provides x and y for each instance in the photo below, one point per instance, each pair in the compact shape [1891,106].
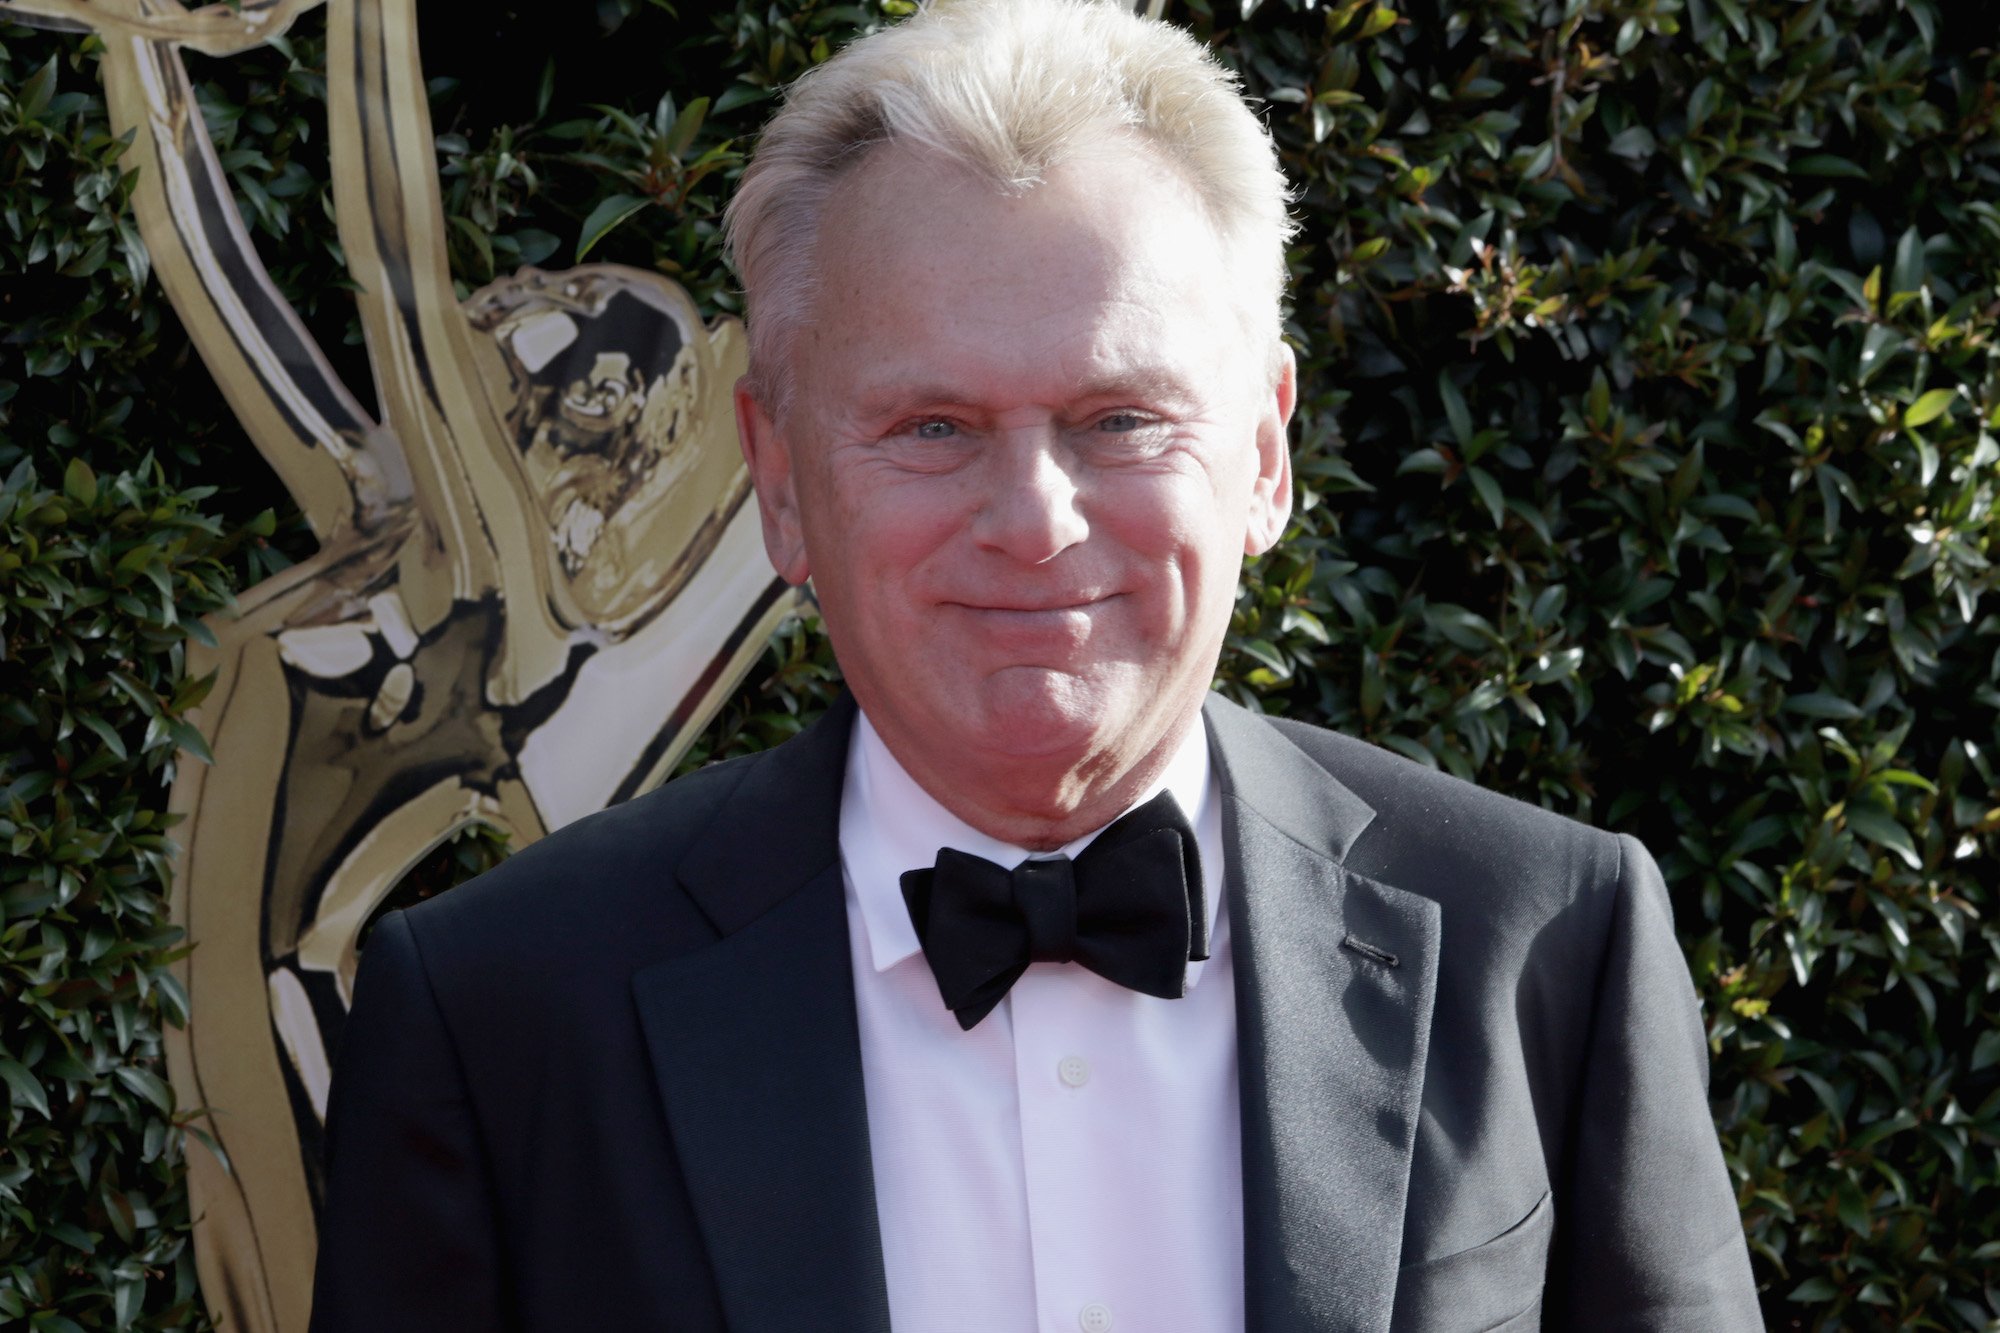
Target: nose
[1031,510]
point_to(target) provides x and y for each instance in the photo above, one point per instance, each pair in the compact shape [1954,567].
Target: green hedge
[1647,465]
[1650,390]
[110,549]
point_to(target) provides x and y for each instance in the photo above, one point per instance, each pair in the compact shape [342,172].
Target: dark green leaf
[148,1085]
[1817,703]
[23,1086]
[604,219]
[79,482]
[36,90]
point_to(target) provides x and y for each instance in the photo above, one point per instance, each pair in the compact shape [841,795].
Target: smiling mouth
[1082,602]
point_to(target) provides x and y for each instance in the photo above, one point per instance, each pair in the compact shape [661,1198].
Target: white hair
[1008,89]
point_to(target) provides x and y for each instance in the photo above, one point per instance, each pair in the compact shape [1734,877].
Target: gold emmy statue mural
[537,578]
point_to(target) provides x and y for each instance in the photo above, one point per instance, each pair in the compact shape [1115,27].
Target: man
[869,1030]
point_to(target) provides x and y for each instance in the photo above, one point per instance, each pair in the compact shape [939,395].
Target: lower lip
[1034,613]
[1058,621]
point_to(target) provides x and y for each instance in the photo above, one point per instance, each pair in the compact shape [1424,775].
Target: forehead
[1107,267]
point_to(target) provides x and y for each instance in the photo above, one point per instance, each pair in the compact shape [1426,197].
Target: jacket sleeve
[1648,1235]
[408,1235]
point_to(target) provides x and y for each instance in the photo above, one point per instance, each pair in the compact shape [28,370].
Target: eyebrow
[1148,384]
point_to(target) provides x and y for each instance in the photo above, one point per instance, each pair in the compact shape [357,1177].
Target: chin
[1035,713]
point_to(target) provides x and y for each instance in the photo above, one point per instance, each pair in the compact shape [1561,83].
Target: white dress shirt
[1072,1163]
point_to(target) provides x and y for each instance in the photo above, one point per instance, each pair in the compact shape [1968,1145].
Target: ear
[1271,496]
[768,452]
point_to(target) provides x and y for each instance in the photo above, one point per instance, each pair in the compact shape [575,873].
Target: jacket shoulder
[608,871]
[1456,841]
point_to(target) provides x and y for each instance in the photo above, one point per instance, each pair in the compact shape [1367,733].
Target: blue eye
[1119,422]
[935,430]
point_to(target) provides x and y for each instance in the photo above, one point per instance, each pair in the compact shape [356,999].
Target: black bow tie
[1130,908]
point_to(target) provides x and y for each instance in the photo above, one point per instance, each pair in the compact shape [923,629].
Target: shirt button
[1074,1071]
[1094,1318]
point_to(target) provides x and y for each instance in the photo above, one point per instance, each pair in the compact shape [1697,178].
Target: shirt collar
[890,824]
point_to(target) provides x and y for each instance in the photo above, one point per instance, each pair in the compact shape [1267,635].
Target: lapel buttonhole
[1369,951]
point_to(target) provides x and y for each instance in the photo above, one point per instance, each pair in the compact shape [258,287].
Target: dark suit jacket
[616,1082]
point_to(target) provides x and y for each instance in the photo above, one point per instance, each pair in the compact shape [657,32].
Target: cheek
[887,535]
[1179,522]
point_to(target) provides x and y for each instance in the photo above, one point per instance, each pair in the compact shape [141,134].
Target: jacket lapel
[1334,981]
[758,1059]
[757,1055]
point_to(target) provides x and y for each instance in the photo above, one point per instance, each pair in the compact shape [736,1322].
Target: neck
[1044,804]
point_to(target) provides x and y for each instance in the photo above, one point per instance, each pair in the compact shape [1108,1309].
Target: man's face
[1030,441]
